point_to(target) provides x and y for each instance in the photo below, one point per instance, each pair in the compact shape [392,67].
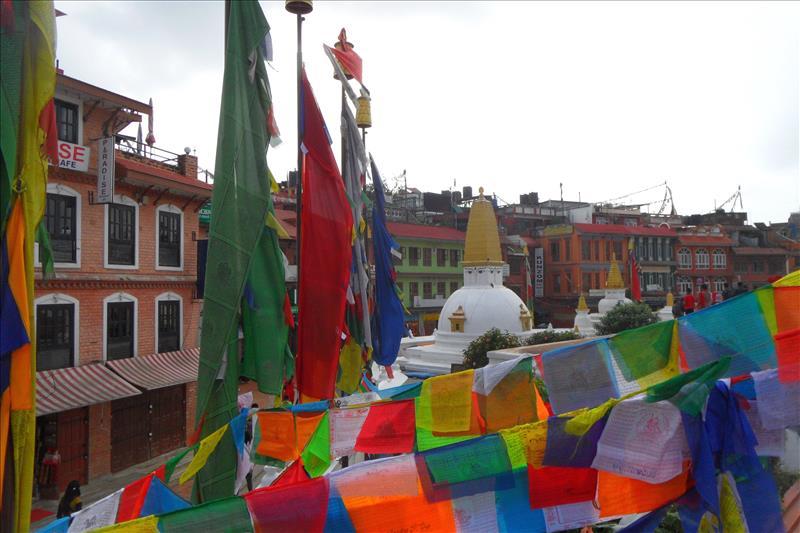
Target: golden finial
[614,280]
[670,299]
[482,246]
[582,304]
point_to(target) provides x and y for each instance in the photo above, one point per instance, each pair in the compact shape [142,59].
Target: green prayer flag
[13,37]
[766,301]
[241,201]
[169,466]
[688,392]
[265,329]
[45,251]
[642,351]
[229,514]
[317,454]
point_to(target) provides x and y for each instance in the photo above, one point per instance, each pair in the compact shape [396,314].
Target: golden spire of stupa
[582,304]
[483,240]
[614,280]
[670,299]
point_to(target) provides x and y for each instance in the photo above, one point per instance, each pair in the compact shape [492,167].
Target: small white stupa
[481,304]
[586,322]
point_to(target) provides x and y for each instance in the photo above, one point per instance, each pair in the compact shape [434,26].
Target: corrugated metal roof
[159,370]
[68,388]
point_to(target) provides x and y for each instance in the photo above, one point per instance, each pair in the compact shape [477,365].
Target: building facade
[117,325]
[429,270]
[704,256]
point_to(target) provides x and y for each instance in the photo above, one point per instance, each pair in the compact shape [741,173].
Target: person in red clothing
[688,302]
[703,297]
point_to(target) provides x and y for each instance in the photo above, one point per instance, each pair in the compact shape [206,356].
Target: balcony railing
[131,145]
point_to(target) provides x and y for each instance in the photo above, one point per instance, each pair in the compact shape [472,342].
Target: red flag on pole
[326,255]
[636,288]
[346,56]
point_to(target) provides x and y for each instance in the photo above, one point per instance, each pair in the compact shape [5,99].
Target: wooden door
[167,419]
[73,445]
[130,432]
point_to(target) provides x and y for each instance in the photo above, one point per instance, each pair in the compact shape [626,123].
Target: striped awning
[159,370]
[68,388]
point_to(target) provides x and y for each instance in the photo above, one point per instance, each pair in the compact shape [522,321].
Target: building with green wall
[429,271]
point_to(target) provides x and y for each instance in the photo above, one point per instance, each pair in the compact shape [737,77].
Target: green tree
[547,336]
[494,339]
[626,316]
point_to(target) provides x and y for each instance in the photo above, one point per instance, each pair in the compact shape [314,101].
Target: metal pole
[299,183]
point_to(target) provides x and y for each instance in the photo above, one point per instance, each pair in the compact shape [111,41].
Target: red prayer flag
[787,344]
[325,245]
[132,499]
[389,428]
[555,485]
[294,474]
[346,56]
[297,507]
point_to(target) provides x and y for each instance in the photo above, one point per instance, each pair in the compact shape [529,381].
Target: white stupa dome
[484,308]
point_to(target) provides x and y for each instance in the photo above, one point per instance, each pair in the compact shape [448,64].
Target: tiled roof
[420,231]
[750,250]
[619,229]
[704,240]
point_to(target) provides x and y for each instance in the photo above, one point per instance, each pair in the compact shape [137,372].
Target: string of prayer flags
[300,506]
[294,473]
[426,440]
[148,524]
[476,512]
[688,392]
[398,478]
[514,512]
[766,301]
[565,449]
[285,434]
[553,485]
[771,442]
[337,519]
[579,376]
[389,428]
[207,446]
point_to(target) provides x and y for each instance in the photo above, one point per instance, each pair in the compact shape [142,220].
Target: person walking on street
[703,297]
[71,500]
[688,302]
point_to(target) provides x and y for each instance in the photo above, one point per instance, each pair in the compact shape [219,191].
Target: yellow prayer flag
[350,363]
[789,280]
[730,510]
[274,224]
[450,401]
[207,447]
[148,524]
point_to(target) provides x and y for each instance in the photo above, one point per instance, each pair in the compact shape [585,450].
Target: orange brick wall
[191,406]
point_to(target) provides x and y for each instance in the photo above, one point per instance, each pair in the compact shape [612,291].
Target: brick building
[704,256]
[577,259]
[117,326]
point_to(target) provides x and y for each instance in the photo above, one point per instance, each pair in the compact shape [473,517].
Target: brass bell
[299,7]
[364,113]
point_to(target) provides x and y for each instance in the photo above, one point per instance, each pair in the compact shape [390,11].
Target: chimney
[187,165]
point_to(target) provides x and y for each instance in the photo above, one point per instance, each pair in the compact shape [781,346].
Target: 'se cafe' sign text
[73,156]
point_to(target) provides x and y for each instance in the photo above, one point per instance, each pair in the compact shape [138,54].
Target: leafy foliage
[626,316]
[494,339]
[548,336]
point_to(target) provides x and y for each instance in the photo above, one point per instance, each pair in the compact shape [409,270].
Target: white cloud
[607,98]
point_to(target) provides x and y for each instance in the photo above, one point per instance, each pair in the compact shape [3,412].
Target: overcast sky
[606,98]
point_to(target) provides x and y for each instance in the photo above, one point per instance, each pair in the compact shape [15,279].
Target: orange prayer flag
[277,435]
[542,413]
[619,495]
[516,389]
[306,425]
[787,302]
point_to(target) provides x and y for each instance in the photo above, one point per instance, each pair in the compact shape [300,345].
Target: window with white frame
[720,285]
[683,284]
[120,315]
[169,237]
[701,258]
[169,322]
[719,258]
[684,258]
[62,220]
[122,233]
[56,331]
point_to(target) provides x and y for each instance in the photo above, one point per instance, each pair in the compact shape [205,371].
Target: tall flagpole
[299,8]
